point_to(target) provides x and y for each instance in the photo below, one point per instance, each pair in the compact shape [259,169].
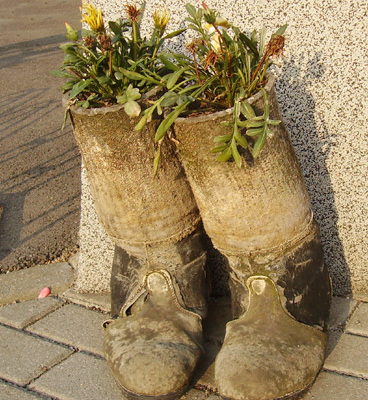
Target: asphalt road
[39,162]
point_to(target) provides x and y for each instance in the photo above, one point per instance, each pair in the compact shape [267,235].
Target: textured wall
[321,90]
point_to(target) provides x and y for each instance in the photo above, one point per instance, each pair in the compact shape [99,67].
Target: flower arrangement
[114,64]
[223,68]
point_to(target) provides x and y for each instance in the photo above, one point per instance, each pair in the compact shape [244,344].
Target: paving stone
[20,315]
[11,392]
[74,325]
[347,354]
[195,394]
[24,357]
[361,296]
[101,301]
[80,377]
[330,386]
[358,323]
[26,284]
[341,308]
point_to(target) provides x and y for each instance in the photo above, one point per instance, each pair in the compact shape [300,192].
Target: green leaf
[281,30]
[273,122]
[61,74]
[132,108]
[169,120]
[247,110]
[159,109]
[115,27]
[79,87]
[168,64]
[174,77]
[104,80]
[135,76]
[261,141]
[266,106]
[224,156]
[141,124]
[170,99]
[248,43]
[175,33]
[68,48]
[223,138]
[191,10]
[219,149]
[242,141]
[69,85]
[251,124]
[156,160]
[119,76]
[256,131]
[132,93]
[235,154]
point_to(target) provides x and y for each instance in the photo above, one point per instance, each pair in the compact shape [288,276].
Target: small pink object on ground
[44,292]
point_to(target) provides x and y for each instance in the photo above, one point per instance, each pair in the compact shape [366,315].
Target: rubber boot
[259,217]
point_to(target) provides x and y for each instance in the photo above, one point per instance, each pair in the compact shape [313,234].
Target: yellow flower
[216,42]
[93,17]
[161,19]
[222,22]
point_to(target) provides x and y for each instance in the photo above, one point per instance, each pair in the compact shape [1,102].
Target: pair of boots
[274,348]
[258,217]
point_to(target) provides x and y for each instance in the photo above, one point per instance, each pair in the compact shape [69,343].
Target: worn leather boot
[276,346]
[155,344]
[267,354]
[259,216]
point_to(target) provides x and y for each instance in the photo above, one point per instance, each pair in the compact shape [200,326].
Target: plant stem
[196,67]
[135,41]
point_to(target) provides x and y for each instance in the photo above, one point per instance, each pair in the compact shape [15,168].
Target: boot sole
[297,395]
[136,396]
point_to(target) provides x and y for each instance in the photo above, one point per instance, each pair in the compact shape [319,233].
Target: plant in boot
[158,280]
[261,220]
[113,64]
[224,69]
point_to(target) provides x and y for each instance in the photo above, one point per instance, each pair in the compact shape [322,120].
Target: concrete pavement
[39,163]
[51,348]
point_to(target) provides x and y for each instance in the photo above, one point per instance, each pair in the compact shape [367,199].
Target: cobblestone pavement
[51,348]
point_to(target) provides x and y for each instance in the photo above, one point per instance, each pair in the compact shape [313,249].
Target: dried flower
[133,12]
[105,42]
[89,41]
[210,60]
[194,45]
[275,46]
[93,17]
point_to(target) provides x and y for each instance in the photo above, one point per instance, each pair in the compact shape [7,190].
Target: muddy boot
[267,354]
[154,347]
[276,347]
[259,217]
[155,344]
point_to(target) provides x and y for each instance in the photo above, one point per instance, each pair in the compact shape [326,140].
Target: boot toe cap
[156,370]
